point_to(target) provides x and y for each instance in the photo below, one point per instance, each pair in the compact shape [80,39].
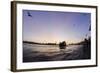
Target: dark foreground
[34,53]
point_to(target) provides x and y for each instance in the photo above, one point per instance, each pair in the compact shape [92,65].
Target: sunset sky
[55,27]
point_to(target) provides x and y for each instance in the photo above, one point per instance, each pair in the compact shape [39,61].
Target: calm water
[41,48]
[48,48]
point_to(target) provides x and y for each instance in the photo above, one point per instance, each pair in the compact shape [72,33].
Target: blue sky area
[54,26]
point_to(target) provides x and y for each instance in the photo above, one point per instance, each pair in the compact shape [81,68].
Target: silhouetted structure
[62,45]
[87,48]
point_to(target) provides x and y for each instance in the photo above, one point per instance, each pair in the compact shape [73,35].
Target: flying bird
[29,14]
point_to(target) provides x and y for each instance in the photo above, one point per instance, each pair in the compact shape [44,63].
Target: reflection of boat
[62,45]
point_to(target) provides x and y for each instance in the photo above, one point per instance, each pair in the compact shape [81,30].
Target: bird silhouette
[29,14]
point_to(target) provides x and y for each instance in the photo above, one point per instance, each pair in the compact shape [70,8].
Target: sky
[54,26]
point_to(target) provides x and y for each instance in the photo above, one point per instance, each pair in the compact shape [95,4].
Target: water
[35,52]
[48,48]
[41,48]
